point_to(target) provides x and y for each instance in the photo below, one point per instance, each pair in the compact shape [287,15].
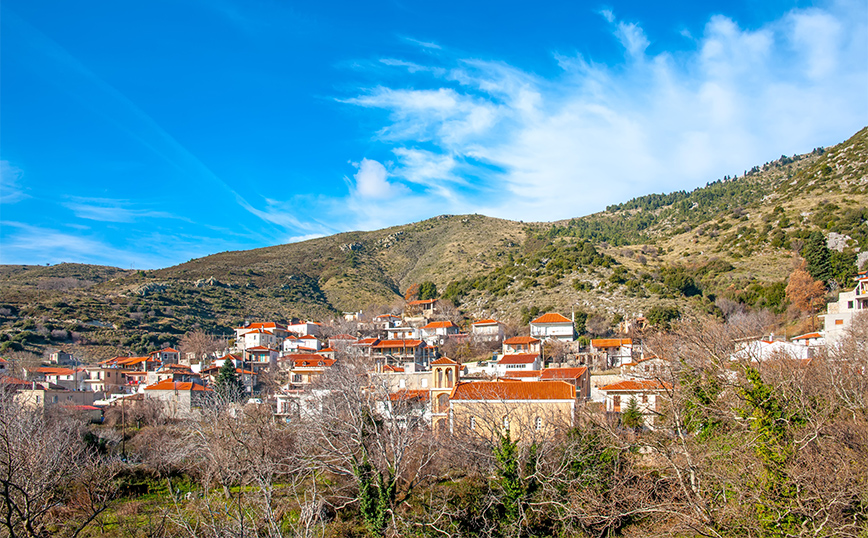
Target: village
[535,381]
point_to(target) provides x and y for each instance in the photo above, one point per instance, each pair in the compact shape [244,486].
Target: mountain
[733,238]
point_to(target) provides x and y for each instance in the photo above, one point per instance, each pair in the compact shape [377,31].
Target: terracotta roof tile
[397,344]
[529,390]
[631,385]
[443,360]
[486,322]
[521,340]
[168,384]
[611,342]
[563,373]
[552,317]
[440,325]
[519,358]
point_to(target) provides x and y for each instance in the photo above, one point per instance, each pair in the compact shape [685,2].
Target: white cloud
[110,210]
[24,243]
[512,144]
[633,38]
[10,190]
[371,180]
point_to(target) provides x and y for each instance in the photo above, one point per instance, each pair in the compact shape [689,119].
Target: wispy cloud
[109,210]
[10,189]
[502,141]
[24,243]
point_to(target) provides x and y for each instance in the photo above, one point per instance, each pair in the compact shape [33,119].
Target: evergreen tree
[632,417]
[818,256]
[228,383]
[427,290]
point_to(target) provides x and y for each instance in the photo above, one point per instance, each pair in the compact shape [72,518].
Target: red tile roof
[422,302]
[611,342]
[552,317]
[808,336]
[486,322]
[443,360]
[266,325]
[440,325]
[9,380]
[397,344]
[343,337]
[367,342]
[260,348]
[406,394]
[528,390]
[390,368]
[633,385]
[563,373]
[47,370]
[521,340]
[168,384]
[386,316]
[519,358]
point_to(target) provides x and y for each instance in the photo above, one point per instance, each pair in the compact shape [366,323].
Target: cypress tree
[228,383]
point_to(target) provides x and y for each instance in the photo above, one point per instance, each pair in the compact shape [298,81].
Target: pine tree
[632,417]
[818,256]
[228,384]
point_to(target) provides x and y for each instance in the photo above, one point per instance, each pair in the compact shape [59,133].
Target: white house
[810,340]
[257,338]
[436,332]
[618,350]
[521,344]
[518,362]
[840,313]
[764,350]
[487,330]
[553,326]
[649,396]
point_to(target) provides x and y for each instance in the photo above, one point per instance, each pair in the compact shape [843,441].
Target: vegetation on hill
[733,239]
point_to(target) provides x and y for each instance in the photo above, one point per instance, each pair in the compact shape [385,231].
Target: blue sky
[145,134]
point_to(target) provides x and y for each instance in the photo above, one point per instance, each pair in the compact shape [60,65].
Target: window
[296,378]
[644,398]
[424,383]
[850,304]
[839,322]
[538,423]
[472,423]
[506,423]
[402,383]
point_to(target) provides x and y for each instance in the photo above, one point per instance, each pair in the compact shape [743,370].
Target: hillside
[733,238]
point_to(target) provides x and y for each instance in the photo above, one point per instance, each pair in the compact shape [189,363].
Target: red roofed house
[810,340]
[364,347]
[277,329]
[649,396]
[180,399]
[341,341]
[553,326]
[618,350]
[487,330]
[424,307]
[524,411]
[305,368]
[578,377]
[167,356]
[411,354]
[256,338]
[521,344]
[385,321]
[435,333]
[518,362]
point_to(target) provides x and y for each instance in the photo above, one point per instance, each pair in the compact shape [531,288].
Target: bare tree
[200,344]
[44,465]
